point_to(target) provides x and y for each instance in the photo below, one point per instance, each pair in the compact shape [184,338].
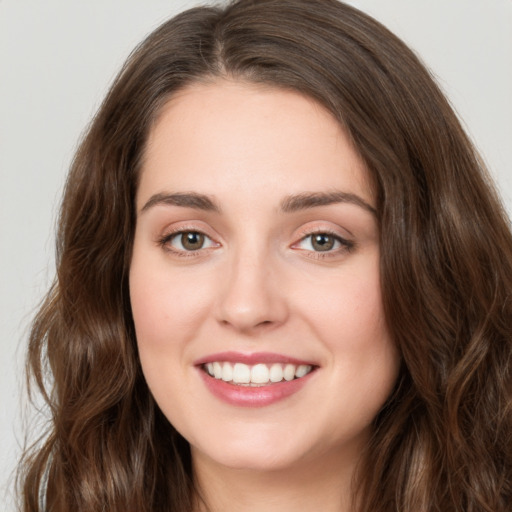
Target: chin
[253,451]
[254,460]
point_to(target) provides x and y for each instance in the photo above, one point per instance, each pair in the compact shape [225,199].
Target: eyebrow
[308,200]
[289,204]
[184,199]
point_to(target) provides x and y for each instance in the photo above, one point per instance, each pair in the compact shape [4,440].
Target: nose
[252,297]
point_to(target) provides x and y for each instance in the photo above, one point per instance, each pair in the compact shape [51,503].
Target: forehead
[225,138]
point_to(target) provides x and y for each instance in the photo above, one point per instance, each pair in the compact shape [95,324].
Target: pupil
[192,241]
[323,242]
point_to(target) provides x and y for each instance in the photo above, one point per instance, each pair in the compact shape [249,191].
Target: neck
[322,485]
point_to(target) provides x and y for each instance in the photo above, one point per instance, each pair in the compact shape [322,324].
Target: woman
[283,281]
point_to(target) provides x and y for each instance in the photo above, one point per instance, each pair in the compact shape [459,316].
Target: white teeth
[258,374]
[276,373]
[289,372]
[241,373]
[217,370]
[302,370]
[227,372]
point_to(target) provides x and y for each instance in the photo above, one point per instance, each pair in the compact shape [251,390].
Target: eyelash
[165,240]
[346,246]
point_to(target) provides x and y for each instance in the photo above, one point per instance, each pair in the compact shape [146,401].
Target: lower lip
[253,396]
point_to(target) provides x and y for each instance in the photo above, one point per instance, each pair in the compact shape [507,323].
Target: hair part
[442,440]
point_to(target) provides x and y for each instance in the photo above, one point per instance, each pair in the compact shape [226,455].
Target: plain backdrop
[57,58]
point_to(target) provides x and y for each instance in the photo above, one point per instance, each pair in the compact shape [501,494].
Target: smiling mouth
[256,375]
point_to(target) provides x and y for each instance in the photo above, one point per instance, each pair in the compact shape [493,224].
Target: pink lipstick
[254,380]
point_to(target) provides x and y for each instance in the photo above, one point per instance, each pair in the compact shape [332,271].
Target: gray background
[57,58]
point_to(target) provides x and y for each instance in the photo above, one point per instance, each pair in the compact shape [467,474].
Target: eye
[188,241]
[323,242]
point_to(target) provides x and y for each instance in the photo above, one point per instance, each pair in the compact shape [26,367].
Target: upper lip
[251,359]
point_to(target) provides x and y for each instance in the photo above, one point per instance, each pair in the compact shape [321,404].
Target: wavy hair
[443,440]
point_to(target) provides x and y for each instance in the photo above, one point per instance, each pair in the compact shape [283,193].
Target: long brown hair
[443,440]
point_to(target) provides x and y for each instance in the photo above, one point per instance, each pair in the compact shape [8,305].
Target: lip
[251,359]
[249,396]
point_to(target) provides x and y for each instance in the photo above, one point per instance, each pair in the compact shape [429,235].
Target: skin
[258,284]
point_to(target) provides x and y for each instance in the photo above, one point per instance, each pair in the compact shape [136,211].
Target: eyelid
[168,234]
[178,235]
[345,244]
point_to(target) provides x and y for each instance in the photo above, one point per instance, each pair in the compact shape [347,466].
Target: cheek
[167,311]
[346,308]
[166,306]
[347,315]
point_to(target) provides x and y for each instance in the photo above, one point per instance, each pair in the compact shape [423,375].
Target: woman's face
[255,279]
